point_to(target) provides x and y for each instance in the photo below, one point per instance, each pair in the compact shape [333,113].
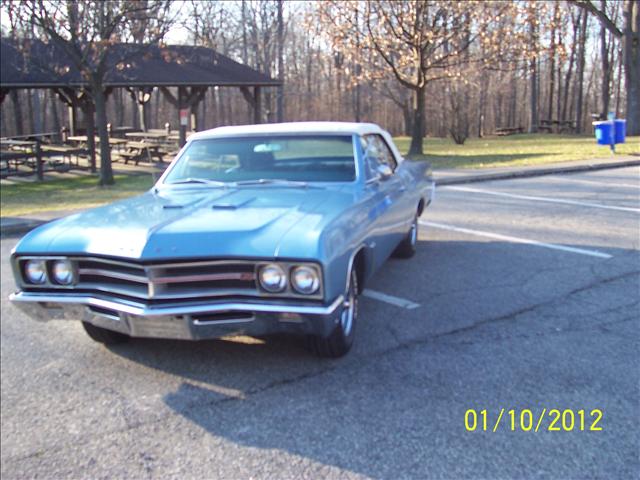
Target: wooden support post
[194,117]
[182,95]
[73,119]
[141,96]
[257,105]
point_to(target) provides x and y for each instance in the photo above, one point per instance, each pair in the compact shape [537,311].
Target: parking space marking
[396,301]
[591,182]
[542,199]
[480,233]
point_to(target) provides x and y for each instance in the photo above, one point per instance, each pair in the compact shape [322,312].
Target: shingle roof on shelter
[44,65]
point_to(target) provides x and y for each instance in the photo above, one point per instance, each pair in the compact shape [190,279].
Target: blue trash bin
[604,132]
[619,131]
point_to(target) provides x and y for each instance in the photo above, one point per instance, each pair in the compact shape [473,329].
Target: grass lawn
[514,150]
[83,192]
[67,194]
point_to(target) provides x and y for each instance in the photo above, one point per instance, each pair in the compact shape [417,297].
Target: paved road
[528,294]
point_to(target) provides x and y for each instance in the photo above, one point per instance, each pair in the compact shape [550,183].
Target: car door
[387,193]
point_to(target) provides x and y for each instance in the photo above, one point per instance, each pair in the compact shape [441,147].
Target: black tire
[341,339]
[407,247]
[102,335]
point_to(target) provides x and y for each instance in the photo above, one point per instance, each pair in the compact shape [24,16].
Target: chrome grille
[168,280]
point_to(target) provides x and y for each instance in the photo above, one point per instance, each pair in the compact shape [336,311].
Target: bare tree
[87,31]
[417,42]
[581,67]
[630,35]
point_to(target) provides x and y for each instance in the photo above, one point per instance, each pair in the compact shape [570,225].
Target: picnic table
[137,151]
[503,131]
[39,158]
[67,152]
[119,131]
[16,145]
[84,139]
[559,125]
[157,136]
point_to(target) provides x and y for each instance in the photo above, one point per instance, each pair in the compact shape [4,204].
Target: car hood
[196,223]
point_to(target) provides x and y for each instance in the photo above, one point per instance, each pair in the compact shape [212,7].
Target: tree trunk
[632,65]
[36,106]
[572,58]
[119,104]
[552,58]
[606,67]
[513,107]
[31,120]
[106,171]
[88,111]
[280,103]
[533,98]
[418,122]
[619,82]
[17,111]
[581,64]
[407,114]
[54,113]
[533,77]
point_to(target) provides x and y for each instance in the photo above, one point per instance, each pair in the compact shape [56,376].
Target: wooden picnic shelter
[182,73]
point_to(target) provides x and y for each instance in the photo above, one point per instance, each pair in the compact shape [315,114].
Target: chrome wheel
[413,235]
[346,318]
[339,342]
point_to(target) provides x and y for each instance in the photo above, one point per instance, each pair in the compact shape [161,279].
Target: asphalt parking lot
[524,294]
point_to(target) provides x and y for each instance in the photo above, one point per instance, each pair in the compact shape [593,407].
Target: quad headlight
[273,278]
[35,272]
[62,272]
[290,278]
[305,280]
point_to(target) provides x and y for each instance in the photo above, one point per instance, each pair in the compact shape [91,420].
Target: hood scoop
[230,204]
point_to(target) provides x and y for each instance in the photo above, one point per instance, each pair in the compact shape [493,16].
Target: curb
[538,172]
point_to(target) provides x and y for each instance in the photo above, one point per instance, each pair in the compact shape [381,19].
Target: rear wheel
[102,335]
[407,248]
[341,339]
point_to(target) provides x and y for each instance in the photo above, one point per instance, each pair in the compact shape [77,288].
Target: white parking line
[591,182]
[397,301]
[553,246]
[542,199]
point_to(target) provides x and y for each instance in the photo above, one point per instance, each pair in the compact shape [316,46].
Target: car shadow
[272,394]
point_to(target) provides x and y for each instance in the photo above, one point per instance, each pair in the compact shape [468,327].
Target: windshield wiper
[272,181]
[198,180]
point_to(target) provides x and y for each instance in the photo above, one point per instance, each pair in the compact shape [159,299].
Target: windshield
[266,159]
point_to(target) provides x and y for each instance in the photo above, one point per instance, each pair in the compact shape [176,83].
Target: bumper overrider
[193,321]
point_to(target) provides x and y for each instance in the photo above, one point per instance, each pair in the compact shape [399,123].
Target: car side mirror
[384,171]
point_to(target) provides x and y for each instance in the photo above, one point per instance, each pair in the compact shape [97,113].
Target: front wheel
[341,339]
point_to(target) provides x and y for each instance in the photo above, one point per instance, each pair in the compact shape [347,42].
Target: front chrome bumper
[191,322]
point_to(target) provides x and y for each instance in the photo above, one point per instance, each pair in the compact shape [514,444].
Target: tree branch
[599,14]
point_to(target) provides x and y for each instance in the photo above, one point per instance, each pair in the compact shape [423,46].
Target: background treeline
[518,64]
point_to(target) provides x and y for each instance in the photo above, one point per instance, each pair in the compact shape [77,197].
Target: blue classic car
[251,230]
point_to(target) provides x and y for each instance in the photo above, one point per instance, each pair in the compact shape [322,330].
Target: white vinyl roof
[292,127]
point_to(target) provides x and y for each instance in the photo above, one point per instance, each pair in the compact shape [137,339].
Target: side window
[376,152]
